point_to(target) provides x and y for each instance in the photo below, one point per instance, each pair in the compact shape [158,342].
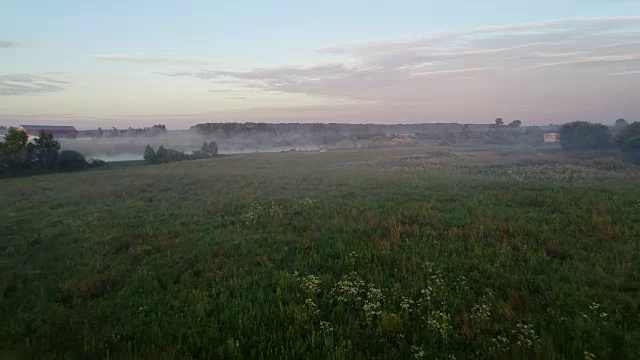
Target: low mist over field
[240,138]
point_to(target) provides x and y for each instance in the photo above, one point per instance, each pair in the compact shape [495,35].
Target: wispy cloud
[8,44]
[29,84]
[633,72]
[446,72]
[595,60]
[540,60]
[144,58]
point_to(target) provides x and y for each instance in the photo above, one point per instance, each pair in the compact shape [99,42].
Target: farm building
[57,131]
[551,137]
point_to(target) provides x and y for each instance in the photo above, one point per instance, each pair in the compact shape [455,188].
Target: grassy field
[395,253]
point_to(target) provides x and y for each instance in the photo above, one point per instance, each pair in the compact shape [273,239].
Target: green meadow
[408,253]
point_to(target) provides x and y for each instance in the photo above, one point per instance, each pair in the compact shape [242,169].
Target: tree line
[582,135]
[164,155]
[153,131]
[18,156]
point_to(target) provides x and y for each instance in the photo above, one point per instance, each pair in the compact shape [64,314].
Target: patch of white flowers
[435,284]
[406,304]
[372,305]
[589,356]
[310,284]
[348,288]
[481,313]
[252,215]
[500,344]
[596,313]
[439,321]
[417,351]
[524,335]
[311,308]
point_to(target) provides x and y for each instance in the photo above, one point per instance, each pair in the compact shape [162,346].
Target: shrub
[71,161]
[149,154]
[96,163]
[164,155]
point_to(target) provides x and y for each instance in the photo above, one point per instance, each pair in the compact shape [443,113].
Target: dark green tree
[149,154]
[582,135]
[621,123]
[16,154]
[161,155]
[628,138]
[46,150]
[515,124]
[211,148]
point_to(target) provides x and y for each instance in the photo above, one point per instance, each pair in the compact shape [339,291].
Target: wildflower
[439,321]
[325,326]
[252,215]
[310,284]
[481,313]
[275,210]
[311,307]
[406,304]
[417,351]
[500,344]
[525,335]
[372,303]
[348,288]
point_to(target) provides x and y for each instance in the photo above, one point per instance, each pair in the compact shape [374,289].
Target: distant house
[57,131]
[551,137]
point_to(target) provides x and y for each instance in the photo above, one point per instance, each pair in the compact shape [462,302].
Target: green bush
[96,163]
[71,161]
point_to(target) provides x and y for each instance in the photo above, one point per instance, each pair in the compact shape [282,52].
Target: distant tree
[629,137]
[99,133]
[16,154]
[70,160]
[582,135]
[156,130]
[499,122]
[210,149]
[621,123]
[515,124]
[161,155]
[46,151]
[149,154]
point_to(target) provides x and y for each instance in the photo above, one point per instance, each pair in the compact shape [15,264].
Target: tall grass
[326,255]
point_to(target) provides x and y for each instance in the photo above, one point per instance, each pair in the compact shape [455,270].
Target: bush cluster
[164,155]
[18,156]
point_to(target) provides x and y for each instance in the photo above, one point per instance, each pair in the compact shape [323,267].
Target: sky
[138,63]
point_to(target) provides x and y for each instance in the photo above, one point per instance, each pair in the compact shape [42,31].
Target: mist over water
[128,149]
